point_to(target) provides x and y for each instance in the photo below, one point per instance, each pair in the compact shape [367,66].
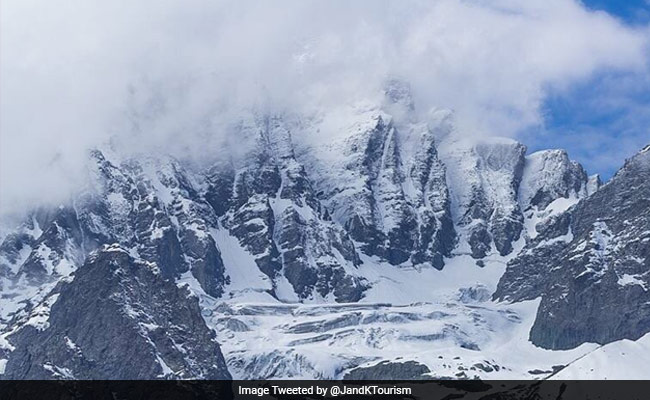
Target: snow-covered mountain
[590,265]
[362,241]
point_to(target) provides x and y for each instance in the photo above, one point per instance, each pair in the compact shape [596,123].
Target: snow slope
[328,245]
[621,360]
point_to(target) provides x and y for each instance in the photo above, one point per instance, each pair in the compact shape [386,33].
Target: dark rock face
[181,220]
[382,168]
[488,176]
[11,248]
[55,250]
[117,319]
[436,235]
[408,370]
[504,220]
[151,206]
[274,213]
[393,201]
[590,266]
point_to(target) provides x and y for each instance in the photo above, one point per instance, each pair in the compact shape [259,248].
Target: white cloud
[73,74]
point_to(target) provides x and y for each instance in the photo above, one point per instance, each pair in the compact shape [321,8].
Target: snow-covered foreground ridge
[363,242]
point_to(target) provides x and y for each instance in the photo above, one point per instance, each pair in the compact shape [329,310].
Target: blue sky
[605,119]
[632,11]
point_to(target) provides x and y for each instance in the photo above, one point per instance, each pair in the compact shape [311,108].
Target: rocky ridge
[590,265]
[117,318]
[293,219]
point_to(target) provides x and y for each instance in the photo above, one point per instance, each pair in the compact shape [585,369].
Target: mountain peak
[399,92]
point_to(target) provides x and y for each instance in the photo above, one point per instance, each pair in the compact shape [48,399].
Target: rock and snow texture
[590,265]
[485,179]
[549,175]
[268,203]
[364,228]
[117,319]
[381,179]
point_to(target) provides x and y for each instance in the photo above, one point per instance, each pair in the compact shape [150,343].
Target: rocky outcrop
[53,250]
[119,318]
[408,370]
[275,214]
[149,206]
[549,175]
[590,266]
[385,184]
[485,179]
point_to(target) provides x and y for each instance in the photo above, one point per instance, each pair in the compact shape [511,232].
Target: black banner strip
[301,389]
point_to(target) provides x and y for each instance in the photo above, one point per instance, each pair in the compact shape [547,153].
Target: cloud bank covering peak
[170,75]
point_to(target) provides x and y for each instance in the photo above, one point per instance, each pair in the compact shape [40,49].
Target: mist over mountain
[173,78]
[317,190]
[391,238]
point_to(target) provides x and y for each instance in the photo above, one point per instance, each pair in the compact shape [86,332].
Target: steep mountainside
[486,178]
[369,228]
[116,319]
[267,202]
[590,265]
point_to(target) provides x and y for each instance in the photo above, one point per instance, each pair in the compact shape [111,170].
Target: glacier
[367,240]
